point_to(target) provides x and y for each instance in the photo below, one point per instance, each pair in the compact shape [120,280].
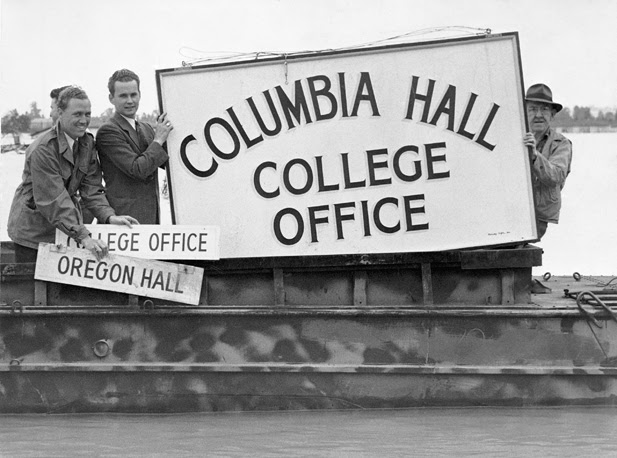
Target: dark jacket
[130,168]
[47,199]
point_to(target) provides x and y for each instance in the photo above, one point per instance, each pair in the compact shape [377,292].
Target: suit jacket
[130,168]
[47,197]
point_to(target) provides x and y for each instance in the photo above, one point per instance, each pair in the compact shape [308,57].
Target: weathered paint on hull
[165,392]
[284,360]
[364,331]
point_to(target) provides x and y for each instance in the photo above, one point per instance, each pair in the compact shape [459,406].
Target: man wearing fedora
[551,155]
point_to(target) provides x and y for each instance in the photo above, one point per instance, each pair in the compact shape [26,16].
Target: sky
[567,44]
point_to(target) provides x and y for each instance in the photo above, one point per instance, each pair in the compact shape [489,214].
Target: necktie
[143,143]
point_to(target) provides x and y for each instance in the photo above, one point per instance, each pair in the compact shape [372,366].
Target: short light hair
[123,75]
[68,93]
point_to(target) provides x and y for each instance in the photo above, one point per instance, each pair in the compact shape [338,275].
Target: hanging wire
[195,56]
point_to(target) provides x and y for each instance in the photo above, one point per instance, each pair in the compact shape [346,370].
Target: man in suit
[59,165]
[131,152]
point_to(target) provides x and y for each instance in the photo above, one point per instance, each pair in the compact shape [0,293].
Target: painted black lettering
[297,108]
[101,271]
[340,217]
[63,264]
[309,177]
[257,182]
[365,218]
[447,106]
[343,88]
[260,121]
[431,159]
[187,163]
[189,245]
[128,274]
[76,267]
[323,92]
[232,135]
[346,175]
[373,164]
[158,281]
[361,96]
[249,142]
[115,273]
[487,124]
[409,210]
[414,96]
[146,277]
[461,128]
[314,220]
[89,269]
[377,216]
[299,226]
[396,164]
[321,179]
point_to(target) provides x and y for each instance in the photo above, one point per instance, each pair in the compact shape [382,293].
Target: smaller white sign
[163,280]
[153,241]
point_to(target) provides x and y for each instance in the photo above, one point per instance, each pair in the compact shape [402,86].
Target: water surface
[416,432]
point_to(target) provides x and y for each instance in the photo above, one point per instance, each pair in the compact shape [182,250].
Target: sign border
[308,55]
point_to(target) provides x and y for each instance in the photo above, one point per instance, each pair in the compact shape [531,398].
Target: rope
[221,56]
[596,281]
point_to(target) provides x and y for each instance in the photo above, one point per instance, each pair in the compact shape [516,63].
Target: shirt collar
[69,140]
[131,121]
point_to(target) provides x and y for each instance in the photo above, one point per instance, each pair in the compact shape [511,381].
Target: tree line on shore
[33,121]
[14,123]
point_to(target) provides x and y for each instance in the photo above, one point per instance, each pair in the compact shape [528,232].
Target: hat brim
[556,106]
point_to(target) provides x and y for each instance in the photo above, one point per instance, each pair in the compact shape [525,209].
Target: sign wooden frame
[403,148]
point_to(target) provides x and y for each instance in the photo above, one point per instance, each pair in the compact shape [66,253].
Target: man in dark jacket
[53,95]
[131,152]
[59,165]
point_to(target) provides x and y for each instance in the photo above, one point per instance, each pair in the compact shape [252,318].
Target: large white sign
[153,241]
[163,280]
[399,149]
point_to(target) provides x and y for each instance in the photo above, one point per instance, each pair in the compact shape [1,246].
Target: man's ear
[110,97]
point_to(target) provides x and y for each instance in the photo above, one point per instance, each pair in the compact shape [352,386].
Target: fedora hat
[542,93]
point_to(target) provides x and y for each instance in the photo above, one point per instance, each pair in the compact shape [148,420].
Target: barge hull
[397,359]
[458,328]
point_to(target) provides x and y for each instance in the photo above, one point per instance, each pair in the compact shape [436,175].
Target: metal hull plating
[265,361]
[442,329]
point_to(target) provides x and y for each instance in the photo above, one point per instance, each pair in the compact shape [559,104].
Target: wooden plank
[133,301]
[279,287]
[359,287]
[527,256]
[507,286]
[40,293]
[140,277]
[427,284]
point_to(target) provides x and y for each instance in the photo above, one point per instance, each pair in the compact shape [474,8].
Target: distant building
[38,125]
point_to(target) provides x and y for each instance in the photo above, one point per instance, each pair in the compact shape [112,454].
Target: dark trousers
[542,226]
[24,254]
